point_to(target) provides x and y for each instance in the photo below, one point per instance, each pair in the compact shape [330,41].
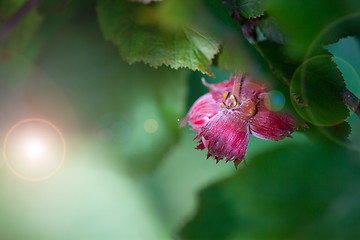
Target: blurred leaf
[282,65]
[282,195]
[54,6]
[304,21]
[23,33]
[232,55]
[150,43]
[175,184]
[250,8]
[272,30]
[60,13]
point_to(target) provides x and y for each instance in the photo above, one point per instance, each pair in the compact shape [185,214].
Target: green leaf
[282,194]
[127,25]
[23,33]
[347,58]
[251,8]
[317,88]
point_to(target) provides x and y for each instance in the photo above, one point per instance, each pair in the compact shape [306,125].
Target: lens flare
[275,101]
[34,149]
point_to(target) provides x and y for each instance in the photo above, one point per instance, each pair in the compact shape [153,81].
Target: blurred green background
[130,173]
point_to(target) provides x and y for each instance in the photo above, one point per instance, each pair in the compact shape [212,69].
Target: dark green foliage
[305,20]
[291,192]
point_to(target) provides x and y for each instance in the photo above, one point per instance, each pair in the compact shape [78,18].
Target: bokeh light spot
[34,149]
[151,125]
[275,101]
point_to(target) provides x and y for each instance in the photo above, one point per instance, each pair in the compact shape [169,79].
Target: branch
[352,101]
[11,23]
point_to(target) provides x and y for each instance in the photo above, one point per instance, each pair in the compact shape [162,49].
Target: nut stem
[239,80]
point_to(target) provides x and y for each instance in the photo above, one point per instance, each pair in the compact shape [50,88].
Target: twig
[11,23]
[352,101]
